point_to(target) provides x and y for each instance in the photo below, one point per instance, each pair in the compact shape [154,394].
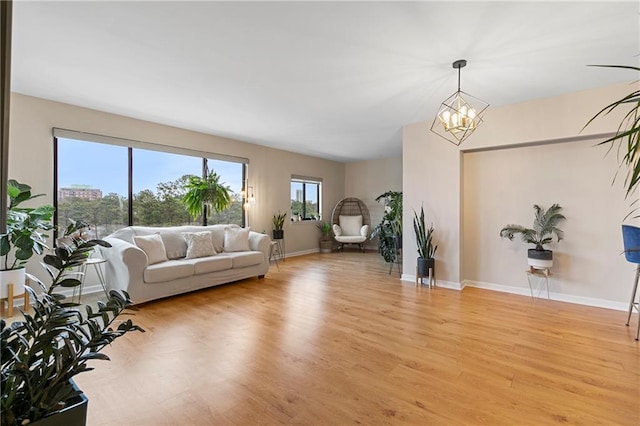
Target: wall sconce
[249,197]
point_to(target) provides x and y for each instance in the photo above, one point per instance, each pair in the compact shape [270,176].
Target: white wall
[366,180]
[270,170]
[470,192]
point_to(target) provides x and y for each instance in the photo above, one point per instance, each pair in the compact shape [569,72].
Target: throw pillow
[337,231]
[236,239]
[199,244]
[153,247]
[351,225]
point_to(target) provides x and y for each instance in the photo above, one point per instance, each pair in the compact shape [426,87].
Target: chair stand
[633,304]
[360,246]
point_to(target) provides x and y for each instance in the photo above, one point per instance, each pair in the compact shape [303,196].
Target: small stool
[9,300]
[95,262]
[542,275]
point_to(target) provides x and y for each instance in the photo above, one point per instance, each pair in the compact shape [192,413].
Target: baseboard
[439,283]
[524,291]
[560,297]
[302,252]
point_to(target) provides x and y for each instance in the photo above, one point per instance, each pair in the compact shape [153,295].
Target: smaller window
[306,198]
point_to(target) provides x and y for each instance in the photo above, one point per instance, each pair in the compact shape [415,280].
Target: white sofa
[128,267]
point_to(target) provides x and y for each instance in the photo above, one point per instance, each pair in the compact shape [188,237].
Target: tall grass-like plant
[627,137]
[424,236]
[278,221]
[545,226]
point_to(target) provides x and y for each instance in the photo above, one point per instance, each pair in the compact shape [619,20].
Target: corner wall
[471,193]
[366,180]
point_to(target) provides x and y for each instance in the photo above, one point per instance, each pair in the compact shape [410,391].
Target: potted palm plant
[628,133]
[545,226]
[424,241]
[278,224]
[326,245]
[41,354]
[24,236]
[206,194]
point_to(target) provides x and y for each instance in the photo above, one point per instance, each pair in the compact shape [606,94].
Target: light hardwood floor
[334,339]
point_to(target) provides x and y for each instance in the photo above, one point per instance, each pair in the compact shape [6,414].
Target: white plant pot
[16,277]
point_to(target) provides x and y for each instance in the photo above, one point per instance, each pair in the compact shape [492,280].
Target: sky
[104,167]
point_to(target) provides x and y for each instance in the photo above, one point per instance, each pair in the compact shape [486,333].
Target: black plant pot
[278,234]
[540,259]
[397,240]
[74,414]
[424,265]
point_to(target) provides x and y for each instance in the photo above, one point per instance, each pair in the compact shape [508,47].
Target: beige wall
[366,180]
[270,170]
[472,191]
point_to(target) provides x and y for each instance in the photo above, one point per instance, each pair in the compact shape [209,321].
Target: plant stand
[431,276]
[274,253]
[538,280]
[9,299]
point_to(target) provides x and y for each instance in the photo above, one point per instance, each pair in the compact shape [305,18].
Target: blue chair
[631,240]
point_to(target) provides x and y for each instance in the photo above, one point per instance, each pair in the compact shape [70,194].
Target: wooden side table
[96,262]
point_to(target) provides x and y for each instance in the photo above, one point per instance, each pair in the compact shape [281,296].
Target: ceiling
[330,79]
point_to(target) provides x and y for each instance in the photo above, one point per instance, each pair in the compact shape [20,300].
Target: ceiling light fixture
[460,114]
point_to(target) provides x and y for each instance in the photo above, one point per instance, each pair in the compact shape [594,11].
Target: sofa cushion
[174,244]
[204,265]
[199,244]
[236,239]
[153,247]
[355,239]
[217,234]
[351,225]
[168,271]
[243,259]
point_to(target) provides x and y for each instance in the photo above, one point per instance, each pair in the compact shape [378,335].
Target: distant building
[299,195]
[79,191]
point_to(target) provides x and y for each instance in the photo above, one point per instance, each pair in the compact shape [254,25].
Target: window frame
[131,145]
[304,180]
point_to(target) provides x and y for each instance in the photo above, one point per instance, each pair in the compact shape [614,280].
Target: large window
[306,198]
[113,185]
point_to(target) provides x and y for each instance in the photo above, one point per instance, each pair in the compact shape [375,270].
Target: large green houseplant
[424,242]
[389,230]
[627,135]
[42,353]
[545,226]
[206,194]
[24,237]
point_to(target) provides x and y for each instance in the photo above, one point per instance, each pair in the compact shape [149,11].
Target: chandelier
[460,114]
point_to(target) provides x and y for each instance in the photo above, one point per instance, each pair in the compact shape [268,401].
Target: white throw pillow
[337,231]
[351,225]
[199,244]
[236,239]
[153,246]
